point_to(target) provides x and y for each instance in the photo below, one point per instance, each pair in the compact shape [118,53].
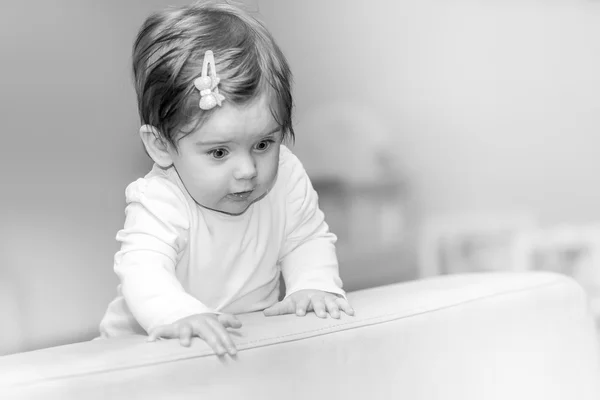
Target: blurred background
[442,136]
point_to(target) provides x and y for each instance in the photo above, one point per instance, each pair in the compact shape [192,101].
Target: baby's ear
[156,146]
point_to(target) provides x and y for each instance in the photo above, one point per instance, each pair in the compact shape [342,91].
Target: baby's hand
[212,328]
[311,300]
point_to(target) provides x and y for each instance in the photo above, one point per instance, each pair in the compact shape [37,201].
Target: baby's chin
[233,209]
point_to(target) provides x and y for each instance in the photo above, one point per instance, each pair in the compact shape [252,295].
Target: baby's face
[231,161]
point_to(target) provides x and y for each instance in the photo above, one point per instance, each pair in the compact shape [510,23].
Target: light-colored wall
[70,146]
[489,105]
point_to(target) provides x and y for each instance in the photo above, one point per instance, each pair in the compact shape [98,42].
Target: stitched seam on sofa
[291,337]
[387,318]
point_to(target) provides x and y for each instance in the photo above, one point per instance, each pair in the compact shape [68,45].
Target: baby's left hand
[311,300]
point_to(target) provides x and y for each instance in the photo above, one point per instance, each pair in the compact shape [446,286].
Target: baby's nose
[246,169]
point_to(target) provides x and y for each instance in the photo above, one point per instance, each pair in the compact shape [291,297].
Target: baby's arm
[155,232]
[308,259]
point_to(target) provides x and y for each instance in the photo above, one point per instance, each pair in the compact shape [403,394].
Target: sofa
[494,335]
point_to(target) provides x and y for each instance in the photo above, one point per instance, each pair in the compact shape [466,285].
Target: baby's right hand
[212,328]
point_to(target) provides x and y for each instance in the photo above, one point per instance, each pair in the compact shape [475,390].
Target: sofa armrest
[474,336]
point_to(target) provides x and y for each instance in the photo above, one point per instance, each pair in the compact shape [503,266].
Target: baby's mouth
[241,195]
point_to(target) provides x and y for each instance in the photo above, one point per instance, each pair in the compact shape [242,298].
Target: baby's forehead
[232,122]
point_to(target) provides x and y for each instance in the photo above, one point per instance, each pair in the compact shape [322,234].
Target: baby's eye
[263,145]
[218,153]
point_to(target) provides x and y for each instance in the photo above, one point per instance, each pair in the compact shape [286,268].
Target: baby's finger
[207,332]
[319,307]
[344,306]
[185,334]
[283,307]
[223,337]
[302,305]
[332,307]
[229,321]
[163,331]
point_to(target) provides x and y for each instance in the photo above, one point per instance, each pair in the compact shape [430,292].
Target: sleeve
[308,258]
[155,231]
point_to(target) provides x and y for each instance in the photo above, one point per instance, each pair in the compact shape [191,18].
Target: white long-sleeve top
[178,258]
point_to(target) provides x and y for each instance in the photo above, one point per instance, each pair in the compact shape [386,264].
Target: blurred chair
[570,250]
[470,242]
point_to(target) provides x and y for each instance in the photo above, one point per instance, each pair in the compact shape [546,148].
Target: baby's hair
[168,55]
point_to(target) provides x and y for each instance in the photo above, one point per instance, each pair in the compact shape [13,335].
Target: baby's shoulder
[155,198]
[157,185]
[293,184]
[287,159]
[290,166]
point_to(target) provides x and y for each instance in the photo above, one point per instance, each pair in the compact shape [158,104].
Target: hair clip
[207,84]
